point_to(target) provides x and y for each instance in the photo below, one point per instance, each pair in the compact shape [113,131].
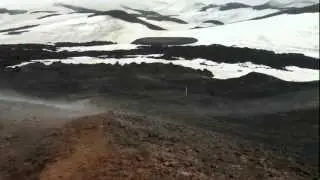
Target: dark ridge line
[307,9]
[267,5]
[30,46]
[73,44]
[210,6]
[230,6]
[19,28]
[151,15]
[122,15]
[199,27]
[46,16]
[252,76]
[217,53]
[78,8]
[164,41]
[122,79]
[16,32]
[127,17]
[214,22]
[234,5]
[221,53]
[12,11]
[34,12]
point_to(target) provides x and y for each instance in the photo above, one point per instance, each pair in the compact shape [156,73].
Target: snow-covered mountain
[282,26]
[50,21]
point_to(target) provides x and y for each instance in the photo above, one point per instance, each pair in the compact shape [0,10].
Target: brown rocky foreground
[120,146]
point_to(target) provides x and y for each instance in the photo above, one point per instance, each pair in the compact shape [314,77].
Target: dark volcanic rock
[127,17]
[291,10]
[119,14]
[265,6]
[165,41]
[15,54]
[74,44]
[77,8]
[16,32]
[35,12]
[25,52]
[230,6]
[156,16]
[283,115]
[50,15]
[11,11]
[214,22]
[209,7]
[61,79]
[235,5]
[307,9]
[19,28]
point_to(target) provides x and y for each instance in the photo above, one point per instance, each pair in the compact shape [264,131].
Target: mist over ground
[14,106]
[159,89]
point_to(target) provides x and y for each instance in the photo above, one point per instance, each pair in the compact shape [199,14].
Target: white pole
[186,90]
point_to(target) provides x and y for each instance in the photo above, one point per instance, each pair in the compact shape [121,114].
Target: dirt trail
[25,127]
[41,140]
[120,146]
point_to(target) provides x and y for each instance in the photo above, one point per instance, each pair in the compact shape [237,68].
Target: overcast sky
[21,4]
[27,4]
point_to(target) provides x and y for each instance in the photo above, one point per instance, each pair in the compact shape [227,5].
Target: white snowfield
[111,47]
[282,34]
[165,5]
[285,33]
[219,70]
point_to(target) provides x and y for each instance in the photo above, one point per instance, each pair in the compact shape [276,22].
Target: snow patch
[219,70]
[111,47]
[285,33]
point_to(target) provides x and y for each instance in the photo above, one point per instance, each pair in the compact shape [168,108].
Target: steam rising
[15,106]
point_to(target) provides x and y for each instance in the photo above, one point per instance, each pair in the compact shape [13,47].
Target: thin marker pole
[186,91]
